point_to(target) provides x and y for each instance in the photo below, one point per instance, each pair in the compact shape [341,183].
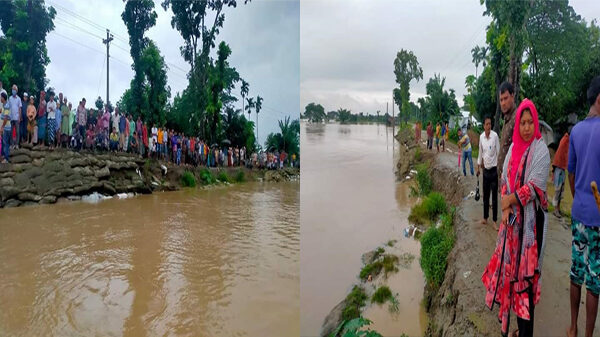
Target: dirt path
[459,308]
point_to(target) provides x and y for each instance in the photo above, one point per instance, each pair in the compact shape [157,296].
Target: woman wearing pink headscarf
[512,276]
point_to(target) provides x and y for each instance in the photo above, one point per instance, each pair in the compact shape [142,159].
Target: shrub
[436,244]
[223,177]
[240,177]
[453,135]
[207,177]
[188,179]
[424,183]
[435,204]
[355,328]
[381,295]
[354,301]
[371,269]
[418,155]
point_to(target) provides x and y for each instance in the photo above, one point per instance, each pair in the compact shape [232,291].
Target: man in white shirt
[489,148]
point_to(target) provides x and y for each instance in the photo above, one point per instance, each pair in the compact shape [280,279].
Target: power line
[85,20]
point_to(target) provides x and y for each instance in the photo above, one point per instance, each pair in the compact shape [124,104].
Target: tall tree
[511,17]
[138,16]
[257,108]
[23,53]
[406,69]
[156,90]
[198,22]
[244,90]
[315,113]
[250,105]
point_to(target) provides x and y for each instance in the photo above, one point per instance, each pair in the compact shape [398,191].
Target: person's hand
[477,171]
[506,202]
[505,216]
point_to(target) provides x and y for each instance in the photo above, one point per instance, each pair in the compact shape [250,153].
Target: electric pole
[109,37]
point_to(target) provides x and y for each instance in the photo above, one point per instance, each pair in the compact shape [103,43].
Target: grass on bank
[436,242]
[356,328]
[428,210]
[188,179]
[382,294]
[354,301]
[386,263]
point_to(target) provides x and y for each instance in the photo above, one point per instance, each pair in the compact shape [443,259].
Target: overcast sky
[348,47]
[263,36]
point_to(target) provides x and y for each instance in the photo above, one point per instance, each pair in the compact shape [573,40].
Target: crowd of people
[517,166]
[56,124]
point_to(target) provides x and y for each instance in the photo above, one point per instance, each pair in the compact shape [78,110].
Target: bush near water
[428,210]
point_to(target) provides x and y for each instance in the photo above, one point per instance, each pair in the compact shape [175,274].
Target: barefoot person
[512,275]
[584,167]
[489,147]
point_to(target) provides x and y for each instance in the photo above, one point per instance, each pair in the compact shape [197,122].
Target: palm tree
[250,101]
[258,106]
[244,91]
[476,53]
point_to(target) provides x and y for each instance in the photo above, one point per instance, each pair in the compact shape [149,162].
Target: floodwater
[221,262]
[350,204]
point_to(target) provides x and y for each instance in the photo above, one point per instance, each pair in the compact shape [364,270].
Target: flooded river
[221,262]
[350,204]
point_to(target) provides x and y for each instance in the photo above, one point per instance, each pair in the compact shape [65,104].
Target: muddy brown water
[222,262]
[351,204]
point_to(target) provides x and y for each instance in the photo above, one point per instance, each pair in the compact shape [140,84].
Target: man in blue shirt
[584,167]
[15,104]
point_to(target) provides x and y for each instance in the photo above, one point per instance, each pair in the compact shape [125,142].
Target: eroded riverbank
[42,176]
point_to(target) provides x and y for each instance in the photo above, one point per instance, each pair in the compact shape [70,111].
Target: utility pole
[109,37]
[393,121]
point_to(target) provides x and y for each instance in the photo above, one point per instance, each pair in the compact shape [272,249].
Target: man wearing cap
[23,125]
[15,116]
[584,168]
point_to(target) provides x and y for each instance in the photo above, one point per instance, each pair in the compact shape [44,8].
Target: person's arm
[480,156]
[572,165]
[572,183]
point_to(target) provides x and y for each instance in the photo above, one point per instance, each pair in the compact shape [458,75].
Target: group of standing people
[522,160]
[57,124]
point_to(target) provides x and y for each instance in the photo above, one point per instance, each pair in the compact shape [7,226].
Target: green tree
[99,103]
[439,104]
[244,90]
[511,17]
[344,115]
[138,16]
[199,22]
[315,113]
[23,53]
[156,91]
[250,105]
[288,139]
[406,69]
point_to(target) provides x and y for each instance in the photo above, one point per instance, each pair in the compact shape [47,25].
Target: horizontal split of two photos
[299,168]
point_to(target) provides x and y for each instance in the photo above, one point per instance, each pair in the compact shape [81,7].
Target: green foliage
[344,116]
[428,209]
[370,269]
[354,328]
[436,244]
[418,155]
[354,301]
[23,52]
[391,243]
[288,139]
[439,104]
[394,305]
[223,177]
[381,295]
[315,113]
[424,182]
[388,263]
[188,179]
[406,69]
[240,177]
[207,177]
[453,135]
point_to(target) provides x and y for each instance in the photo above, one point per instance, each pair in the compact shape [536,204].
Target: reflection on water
[223,262]
[350,204]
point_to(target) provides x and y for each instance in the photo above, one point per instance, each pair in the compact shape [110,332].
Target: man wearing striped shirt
[489,148]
